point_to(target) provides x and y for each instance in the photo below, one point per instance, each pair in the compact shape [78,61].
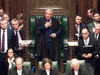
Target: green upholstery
[81,62]
[25,64]
[63,19]
[55,65]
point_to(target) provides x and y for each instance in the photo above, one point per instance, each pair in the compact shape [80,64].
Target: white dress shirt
[10,62]
[78,27]
[6,40]
[87,40]
[19,72]
[75,72]
[48,72]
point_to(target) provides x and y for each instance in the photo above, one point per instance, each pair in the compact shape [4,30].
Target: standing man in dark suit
[20,69]
[19,37]
[86,50]
[96,36]
[6,41]
[79,26]
[48,37]
[90,15]
[91,26]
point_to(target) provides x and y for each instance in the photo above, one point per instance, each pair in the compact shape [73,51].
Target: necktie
[3,41]
[85,43]
[17,43]
[78,28]
[96,36]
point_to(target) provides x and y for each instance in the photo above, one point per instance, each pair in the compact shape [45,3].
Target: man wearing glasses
[96,18]
[86,50]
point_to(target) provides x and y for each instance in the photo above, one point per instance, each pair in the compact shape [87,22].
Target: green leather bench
[81,62]
[55,65]
[63,19]
[28,64]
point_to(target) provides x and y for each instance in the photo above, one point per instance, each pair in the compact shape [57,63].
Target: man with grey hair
[48,37]
[19,36]
[76,69]
[20,69]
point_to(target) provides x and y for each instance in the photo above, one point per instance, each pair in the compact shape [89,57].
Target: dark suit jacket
[82,71]
[90,27]
[92,35]
[6,67]
[43,72]
[81,27]
[93,50]
[10,38]
[25,71]
[90,20]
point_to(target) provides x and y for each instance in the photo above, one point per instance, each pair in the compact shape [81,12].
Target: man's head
[90,12]
[85,33]
[48,13]
[15,24]
[75,64]
[1,11]
[19,63]
[3,24]
[97,29]
[78,19]
[20,18]
[96,17]
[6,17]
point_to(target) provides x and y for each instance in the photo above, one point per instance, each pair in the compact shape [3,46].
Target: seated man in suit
[86,50]
[76,69]
[90,12]
[79,26]
[96,18]
[48,37]
[19,37]
[7,39]
[20,69]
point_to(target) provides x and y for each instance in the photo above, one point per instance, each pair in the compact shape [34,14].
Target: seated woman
[47,68]
[10,57]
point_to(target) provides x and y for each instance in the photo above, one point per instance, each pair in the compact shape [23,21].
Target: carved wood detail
[37,7]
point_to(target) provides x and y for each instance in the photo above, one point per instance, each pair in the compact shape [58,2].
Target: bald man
[87,51]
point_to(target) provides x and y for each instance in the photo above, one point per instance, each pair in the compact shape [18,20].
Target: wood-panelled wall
[84,5]
[13,7]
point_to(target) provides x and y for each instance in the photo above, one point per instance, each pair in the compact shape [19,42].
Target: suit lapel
[8,37]
[15,71]
[0,39]
[73,72]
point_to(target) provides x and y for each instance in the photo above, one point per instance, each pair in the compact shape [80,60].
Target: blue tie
[96,36]
[85,43]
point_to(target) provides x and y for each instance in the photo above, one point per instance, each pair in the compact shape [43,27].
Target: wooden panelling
[83,6]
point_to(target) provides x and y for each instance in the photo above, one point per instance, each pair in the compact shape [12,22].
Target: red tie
[3,41]
[78,28]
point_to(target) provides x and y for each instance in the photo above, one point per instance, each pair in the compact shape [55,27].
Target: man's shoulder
[90,24]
